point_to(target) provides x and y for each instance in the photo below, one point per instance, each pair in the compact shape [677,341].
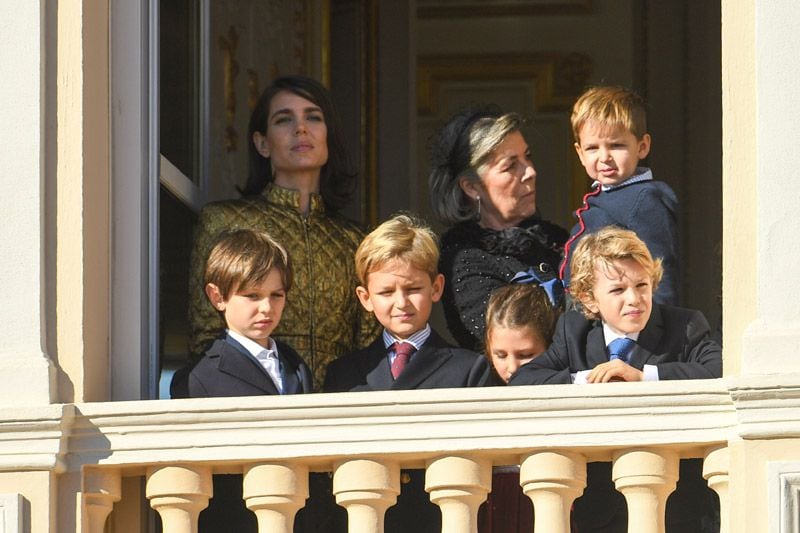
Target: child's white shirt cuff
[650,374]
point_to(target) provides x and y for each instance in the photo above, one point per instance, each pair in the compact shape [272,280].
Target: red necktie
[403,351]
[582,227]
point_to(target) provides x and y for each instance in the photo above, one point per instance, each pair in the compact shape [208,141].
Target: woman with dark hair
[300,177]
[483,185]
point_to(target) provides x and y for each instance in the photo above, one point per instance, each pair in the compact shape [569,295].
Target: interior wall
[670,53]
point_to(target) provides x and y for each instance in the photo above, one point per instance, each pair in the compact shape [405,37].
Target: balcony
[366,438]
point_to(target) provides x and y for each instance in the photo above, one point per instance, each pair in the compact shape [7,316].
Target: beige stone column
[366,488]
[275,492]
[716,468]
[646,477]
[99,490]
[458,485]
[179,493]
[552,480]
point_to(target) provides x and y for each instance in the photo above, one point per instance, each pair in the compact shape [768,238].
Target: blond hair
[599,251]
[610,108]
[523,305]
[242,258]
[402,237]
[485,136]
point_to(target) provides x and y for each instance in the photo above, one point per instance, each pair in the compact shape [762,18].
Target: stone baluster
[100,489]
[716,468]
[552,480]
[645,477]
[366,488]
[179,493]
[275,492]
[458,485]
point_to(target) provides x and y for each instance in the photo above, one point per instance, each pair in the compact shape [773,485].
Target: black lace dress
[476,260]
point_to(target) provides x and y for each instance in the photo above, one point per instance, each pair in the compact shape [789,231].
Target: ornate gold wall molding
[500,8]
[558,78]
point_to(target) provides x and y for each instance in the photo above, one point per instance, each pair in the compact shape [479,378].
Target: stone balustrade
[365,439]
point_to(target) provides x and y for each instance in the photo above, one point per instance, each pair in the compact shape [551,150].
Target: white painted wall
[24,368]
[772,341]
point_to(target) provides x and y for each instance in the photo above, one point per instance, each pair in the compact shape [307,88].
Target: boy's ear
[260,142]
[644,146]
[437,287]
[363,297]
[579,151]
[215,297]
[588,301]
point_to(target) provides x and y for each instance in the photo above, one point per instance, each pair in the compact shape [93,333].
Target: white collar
[416,339]
[252,347]
[610,334]
[641,174]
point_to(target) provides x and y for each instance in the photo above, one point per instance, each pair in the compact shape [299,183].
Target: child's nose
[632,296]
[264,305]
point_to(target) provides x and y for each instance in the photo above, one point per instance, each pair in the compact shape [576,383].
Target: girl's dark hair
[337,177]
[450,151]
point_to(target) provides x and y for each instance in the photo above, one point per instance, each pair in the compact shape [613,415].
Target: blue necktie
[620,348]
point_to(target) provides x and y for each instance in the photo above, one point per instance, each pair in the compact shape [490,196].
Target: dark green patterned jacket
[322,319]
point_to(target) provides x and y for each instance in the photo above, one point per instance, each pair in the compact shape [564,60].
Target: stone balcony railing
[366,438]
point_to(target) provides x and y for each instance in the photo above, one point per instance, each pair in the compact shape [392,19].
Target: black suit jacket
[676,340]
[227,369]
[436,365]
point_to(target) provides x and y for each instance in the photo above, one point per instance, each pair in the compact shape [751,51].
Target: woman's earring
[478,198]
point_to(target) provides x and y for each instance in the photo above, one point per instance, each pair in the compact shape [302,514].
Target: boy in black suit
[613,279]
[247,277]
[621,335]
[397,267]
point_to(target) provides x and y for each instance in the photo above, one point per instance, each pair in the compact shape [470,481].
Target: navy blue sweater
[649,208]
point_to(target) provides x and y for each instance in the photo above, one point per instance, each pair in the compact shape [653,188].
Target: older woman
[483,185]
[299,178]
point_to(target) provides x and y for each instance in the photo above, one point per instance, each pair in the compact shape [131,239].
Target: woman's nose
[530,173]
[301,126]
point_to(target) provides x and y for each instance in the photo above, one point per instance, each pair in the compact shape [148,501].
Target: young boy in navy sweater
[610,129]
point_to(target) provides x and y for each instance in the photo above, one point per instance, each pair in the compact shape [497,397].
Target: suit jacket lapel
[596,352]
[291,382]
[379,375]
[649,339]
[240,365]
[423,363]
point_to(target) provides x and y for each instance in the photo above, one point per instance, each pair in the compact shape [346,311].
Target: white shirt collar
[416,340]
[610,334]
[641,174]
[252,347]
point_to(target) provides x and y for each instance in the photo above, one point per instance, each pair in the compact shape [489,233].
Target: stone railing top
[412,426]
